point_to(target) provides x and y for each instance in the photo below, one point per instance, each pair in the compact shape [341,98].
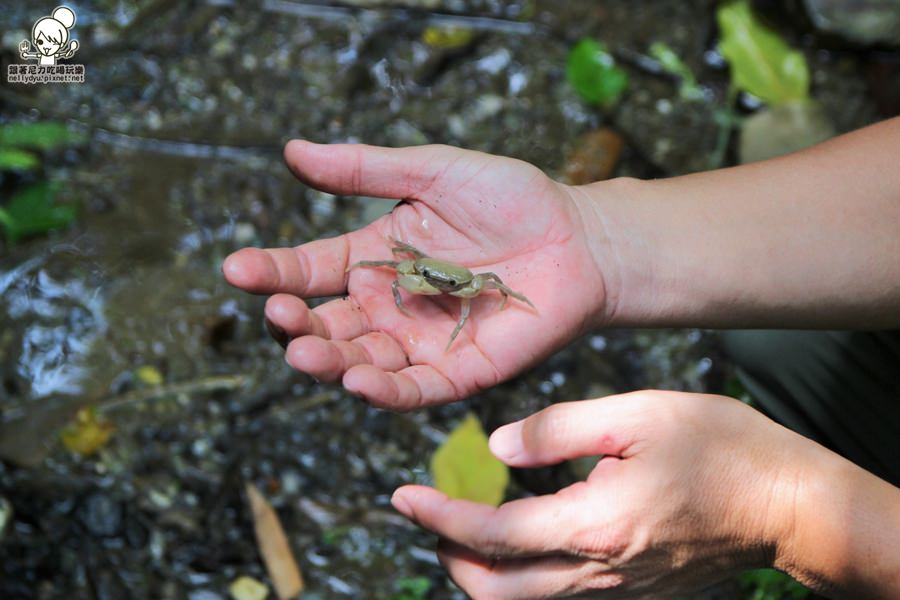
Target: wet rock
[678,136]
[783,129]
[6,513]
[883,80]
[594,157]
[101,515]
[860,21]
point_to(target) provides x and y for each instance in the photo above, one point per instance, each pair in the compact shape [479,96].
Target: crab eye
[425,273]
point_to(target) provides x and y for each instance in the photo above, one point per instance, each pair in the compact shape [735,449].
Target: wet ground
[186,107]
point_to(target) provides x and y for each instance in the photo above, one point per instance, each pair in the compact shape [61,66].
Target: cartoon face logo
[50,38]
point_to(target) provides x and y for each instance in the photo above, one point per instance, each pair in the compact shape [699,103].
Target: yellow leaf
[87,433]
[149,375]
[274,547]
[247,588]
[463,467]
[447,37]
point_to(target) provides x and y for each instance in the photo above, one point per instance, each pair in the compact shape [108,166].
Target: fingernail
[506,442]
[401,504]
[278,334]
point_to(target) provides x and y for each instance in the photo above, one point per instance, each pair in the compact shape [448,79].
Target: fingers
[340,319]
[511,579]
[311,270]
[407,389]
[359,169]
[328,360]
[529,527]
[609,426]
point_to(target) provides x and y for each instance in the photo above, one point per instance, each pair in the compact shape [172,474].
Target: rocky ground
[185,107]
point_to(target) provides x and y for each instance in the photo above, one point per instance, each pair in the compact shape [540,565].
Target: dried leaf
[463,467]
[447,37]
[274,547]
[247,588]
[87,434]
[761,62]
[149,375]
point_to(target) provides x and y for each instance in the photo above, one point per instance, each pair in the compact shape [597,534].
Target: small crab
[428,276]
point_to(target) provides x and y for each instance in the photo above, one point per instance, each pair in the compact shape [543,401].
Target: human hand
[692,488]
[484,212]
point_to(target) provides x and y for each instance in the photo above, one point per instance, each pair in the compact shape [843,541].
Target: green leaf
[40,135]
[671,63]
[761,62]
[13,159]
[592,72]
[769,584]
[412,588]
[463,467]
[32,212]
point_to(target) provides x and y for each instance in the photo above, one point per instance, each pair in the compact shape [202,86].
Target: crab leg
[463,315]
[492,280]
[404,248]
[374,263]
[395,289]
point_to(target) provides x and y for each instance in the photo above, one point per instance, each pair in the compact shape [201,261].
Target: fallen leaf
[761,62]
[33,211]
[594,157]
[591,70]
[41,135]
[15,159]
[447,37]
[463,467]
[247,588]
[87,434]
[149,375]
[274,547]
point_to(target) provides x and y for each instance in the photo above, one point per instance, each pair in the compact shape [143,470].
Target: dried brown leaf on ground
[274,547]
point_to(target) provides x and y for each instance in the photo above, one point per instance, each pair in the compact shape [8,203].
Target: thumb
[608,426]
[358,169]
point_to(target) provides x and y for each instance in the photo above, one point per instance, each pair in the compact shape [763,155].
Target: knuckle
[551,424]
[601,543]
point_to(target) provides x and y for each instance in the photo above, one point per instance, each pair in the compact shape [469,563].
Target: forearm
[844,537]
[810,240]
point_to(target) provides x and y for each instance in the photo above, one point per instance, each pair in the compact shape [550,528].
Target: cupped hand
[691,488]
[487,213]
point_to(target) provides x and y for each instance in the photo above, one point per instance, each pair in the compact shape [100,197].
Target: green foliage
[40,135]
[412,588]
[761,62]
[463,467]
[769,584]
[32,211]
[670,61]
[14,159]
[591,70]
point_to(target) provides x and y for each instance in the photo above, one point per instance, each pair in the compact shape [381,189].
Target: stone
[860,21]
[783,129]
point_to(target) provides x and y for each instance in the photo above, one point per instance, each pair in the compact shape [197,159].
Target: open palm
[484,212]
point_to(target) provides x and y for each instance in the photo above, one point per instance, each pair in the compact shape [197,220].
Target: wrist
[841,536]
[618,239]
